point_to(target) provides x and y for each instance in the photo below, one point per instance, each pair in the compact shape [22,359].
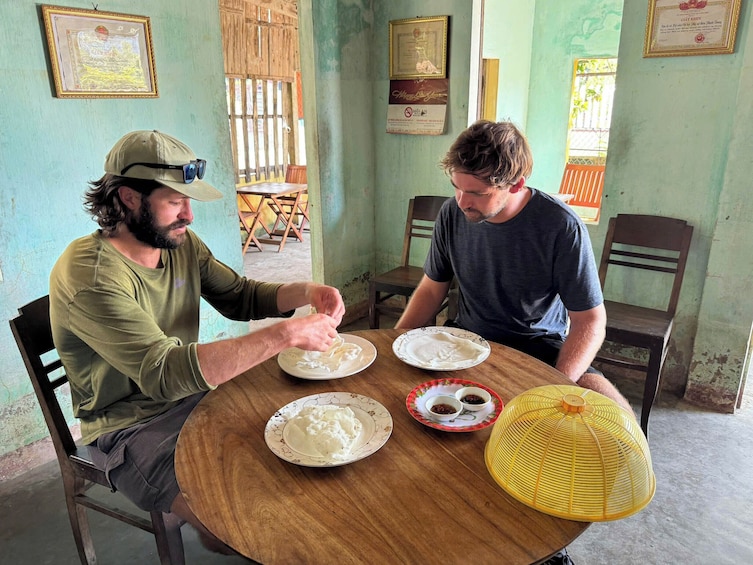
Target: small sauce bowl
[443,407]
[473,398]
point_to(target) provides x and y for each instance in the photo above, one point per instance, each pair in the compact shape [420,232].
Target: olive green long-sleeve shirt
[127,334]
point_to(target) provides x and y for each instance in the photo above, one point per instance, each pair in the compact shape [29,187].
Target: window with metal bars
[260,117]
[591,111]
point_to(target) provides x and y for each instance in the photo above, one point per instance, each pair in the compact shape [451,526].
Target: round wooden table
[425,497]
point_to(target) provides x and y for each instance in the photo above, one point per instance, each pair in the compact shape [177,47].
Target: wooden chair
[34,338]
[403,280]
[653,243]
[249,219]
[583,186]
[295,174]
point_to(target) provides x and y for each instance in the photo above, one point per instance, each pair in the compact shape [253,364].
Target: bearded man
[124,309]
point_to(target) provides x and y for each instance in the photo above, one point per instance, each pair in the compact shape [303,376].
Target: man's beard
[143,227]
[476,217]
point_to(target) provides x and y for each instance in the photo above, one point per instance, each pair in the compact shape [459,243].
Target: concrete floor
[702,512]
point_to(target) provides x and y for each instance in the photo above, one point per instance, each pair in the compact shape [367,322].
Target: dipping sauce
[472,399]
[443,409]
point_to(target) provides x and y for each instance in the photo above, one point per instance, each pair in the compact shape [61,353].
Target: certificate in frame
[418,48]
[691,27]
[96,54]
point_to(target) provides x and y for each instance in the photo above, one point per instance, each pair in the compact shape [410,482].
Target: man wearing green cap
[124,308]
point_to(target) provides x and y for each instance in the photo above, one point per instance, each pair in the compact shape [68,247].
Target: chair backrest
[296,174]
[34,338]
[585,183]
[422,213]
[654,243]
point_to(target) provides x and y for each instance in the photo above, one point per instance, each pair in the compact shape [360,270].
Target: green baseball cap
[154,155]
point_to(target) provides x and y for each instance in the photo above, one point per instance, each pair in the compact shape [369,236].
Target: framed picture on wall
[691,27]
[418,48]
[96,54]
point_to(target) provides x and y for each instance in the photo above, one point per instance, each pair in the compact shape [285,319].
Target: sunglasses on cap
[191,170]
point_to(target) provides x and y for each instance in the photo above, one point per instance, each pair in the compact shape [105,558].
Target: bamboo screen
[260,44]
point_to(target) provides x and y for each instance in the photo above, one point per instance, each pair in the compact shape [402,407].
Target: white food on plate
[332,359]
[328,430]
[442,350]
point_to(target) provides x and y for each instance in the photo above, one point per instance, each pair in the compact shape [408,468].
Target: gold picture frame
[418,48]
[691,27]
[96,54]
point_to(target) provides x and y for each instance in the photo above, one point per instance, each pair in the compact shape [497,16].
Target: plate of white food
[348,355]
[328,429]
[441,348]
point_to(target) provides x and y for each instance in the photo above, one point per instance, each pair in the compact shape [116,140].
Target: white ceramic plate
[376,420]
[288,360]
[410,346]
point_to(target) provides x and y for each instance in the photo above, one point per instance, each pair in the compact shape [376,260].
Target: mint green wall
[583,29]
[680,145]
[364,177]
[508,36]
[407,165]
[337,62]
[50,148]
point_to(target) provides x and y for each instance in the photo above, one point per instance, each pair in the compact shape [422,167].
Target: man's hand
[326,300]
[315,332]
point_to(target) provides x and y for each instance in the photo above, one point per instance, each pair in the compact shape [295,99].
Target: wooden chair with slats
[34,338]
[647,243]
[403,280]
[295,174]
[582,187]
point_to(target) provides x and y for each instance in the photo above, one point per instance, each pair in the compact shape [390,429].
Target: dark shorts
[140,461]
[544,348]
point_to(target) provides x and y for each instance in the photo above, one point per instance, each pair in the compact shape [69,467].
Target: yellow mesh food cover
[572,453]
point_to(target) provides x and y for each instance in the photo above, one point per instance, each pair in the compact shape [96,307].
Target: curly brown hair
[101,199]
[496,152]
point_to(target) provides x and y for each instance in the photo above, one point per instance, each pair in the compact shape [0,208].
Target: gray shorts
[140,461]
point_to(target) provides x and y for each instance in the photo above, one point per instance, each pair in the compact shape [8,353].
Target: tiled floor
[701,513]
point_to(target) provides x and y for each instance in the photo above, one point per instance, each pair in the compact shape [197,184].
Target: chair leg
[168,537]
[653,374]
[278,219]
[373,312]
[79,520]
[305,222]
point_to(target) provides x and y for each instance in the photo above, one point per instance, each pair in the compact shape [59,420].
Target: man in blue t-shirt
[522,260]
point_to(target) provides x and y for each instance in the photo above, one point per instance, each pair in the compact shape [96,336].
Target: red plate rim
[423,388]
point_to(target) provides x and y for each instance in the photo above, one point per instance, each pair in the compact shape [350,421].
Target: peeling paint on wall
[354,290]
[711,397]
[716,383]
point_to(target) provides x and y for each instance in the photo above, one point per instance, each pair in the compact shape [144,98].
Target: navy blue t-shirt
[516,279]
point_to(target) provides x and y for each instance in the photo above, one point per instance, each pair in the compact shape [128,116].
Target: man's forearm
[292,295]
[578,352]
[223,360]
[587,332]
[423,304]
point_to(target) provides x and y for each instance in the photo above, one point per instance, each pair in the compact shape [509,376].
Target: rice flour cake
[329,431]
[331,360]
[442,350]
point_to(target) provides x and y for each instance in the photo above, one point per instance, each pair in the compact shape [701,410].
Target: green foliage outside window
[591,77]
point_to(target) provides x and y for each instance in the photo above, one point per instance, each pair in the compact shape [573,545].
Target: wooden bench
[586,184]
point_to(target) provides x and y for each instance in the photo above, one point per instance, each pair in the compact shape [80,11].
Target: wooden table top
[425,497]
[270,189]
